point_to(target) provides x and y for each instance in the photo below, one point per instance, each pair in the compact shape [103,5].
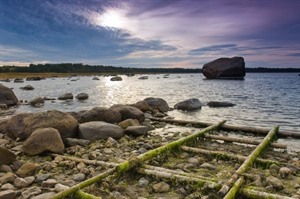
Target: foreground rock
[157,104]
[142,105]
[99,130]
[217,104]
[7,96]
[189,105]
[6,156]
[225,68]
[128,112]
[100,114]
[43,139]
[23,125]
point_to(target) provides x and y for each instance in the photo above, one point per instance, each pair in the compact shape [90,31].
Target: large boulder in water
[7,96]
[230,68]
[189,105]
[157,104]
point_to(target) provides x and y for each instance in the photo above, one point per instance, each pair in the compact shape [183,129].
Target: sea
[261,99]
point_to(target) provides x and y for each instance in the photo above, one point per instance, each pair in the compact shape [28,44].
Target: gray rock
[7,186]
[82,96]
[37,101]
[6,156]
[27,88]
[15,126]
[75,141]
[48,195]
[217,104]
[30,179]
[189,105]
[208,166]
[60,187]
[136,130]
[7,96]
[128,112]
[43,139]
[129,122]
[41,178]
[99,130]
[284,172]
[116,78]
[100,114]
[275,182]
[32,191]
[79,177]
[142,150]
[20,183]
[225,68]
[157,104]
[8,194]
[27,169]
[111,142]
[50,183]
[66,96]
[34,78]
[143,77]
[161,187]
[143,182]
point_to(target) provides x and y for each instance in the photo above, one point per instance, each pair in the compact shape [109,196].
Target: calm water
[262,100]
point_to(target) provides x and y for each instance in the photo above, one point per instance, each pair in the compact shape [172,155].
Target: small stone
[8,194]
[41,178]
[50,183]
[79,177]
[3,142]
[75,141]
[142,150]
[45,195]
[27,169]
[20,183]
[274,169]
[82,96]
[147,146]
[60,187]
[107,151]
[161,187]
[80,166]
[208,166]
[5,168]
[7,178]
[193,161]
[275,182]
[7,186]
[143,182]
[111,142]
[30,179]
[284,172]
[31,192]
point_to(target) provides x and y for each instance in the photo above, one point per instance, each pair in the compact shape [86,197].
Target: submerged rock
[217,104]
[66,96]
[189,105]
[136,130]
[225,68]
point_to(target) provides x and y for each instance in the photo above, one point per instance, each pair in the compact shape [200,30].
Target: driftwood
[82,195]
[244,141]
[226,127]
[247,163]
[129,164]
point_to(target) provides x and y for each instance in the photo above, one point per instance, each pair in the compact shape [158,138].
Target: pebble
[30,179]
[143,182]
[284,172]
[208,166]
[79,177]
[147,146]
[20,182]
[193,161]
[107,151]
[41,178]
[5,168]
[142,150]
[60,187]
[50,183]
[275,182]
[161,187]
[8,194]
[7,186]
[111,142]
[32,191]
[80,166]
[45,195]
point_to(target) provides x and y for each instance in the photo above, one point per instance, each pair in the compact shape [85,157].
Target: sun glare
[111,19]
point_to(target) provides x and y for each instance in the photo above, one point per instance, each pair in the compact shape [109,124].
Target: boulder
[37,101]
[27,88]
[142,105]
[82,96]
[7,96]
[65,123]
[217,104]
[99,130]
[43,139]
[6,156]
[189,105]
[225,68]
[128,112]
[8,194]
[75,141]
[100,114]
[95,78]
[15,126]
[158,104]
[129,122]
[33,78]
[66,96]
[136,130]
[116,78]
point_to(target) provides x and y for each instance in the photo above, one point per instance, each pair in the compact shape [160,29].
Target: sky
[150,33]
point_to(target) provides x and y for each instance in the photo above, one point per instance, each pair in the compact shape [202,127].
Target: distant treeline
[81,68]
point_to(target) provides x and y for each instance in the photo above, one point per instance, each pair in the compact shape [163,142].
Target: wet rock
[32,191]
[274,169]
[7,178]
[49,98]
[34,78]
[37,101]
[217,104]
[99,130]
[8,194]
[225,68]
[208,166]
[142,105]
[100,114]
[50,183]
[275,182]
[116,78]
[20,183]
[161,187]
[82,96]
[158,104]
[284,172]
[65,123]
[27,169]
[129,122]
[143,77]
[27,88]
[7,96]
[75,141]
[44,139]
[66,96]
[95,78]
[128,112]
[136,130]
[142,150]
[189,105]
[6,156]
[45,195]
[79,177]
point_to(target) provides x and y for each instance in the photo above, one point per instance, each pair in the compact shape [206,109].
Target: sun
[111,19]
